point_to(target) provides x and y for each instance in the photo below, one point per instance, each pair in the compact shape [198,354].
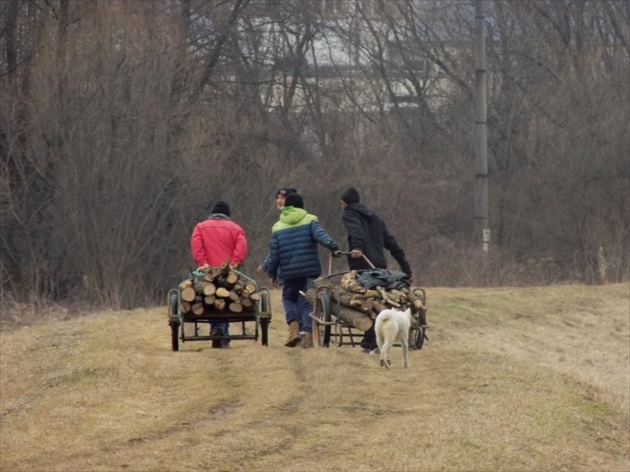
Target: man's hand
[260,270]
[356,253]
[235,265]
[410,276]
[336,252]
[274,282]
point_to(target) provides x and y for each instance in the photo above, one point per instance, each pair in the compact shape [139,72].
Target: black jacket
[367,232]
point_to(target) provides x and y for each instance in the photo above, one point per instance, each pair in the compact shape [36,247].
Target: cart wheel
[264,321]
[322,313]
[174,336]
[174,324]
[416,338]
[422,331]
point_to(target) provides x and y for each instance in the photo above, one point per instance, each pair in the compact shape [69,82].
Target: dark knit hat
[285,191]
[221,207]
[350,195]
[294,200]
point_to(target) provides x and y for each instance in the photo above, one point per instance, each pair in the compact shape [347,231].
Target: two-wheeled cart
[327,330]
[188,326]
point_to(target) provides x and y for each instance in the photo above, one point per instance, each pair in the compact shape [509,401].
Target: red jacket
[217,239]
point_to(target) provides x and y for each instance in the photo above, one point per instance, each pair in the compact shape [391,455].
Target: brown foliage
[123,120]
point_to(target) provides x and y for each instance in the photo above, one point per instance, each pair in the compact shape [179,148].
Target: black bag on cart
[388,279]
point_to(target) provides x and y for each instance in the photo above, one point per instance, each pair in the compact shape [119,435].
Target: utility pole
[481,129]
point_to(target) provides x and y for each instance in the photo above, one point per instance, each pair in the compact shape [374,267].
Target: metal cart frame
[326,329]
[189,327]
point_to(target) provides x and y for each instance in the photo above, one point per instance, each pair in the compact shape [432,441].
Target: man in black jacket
[367,234]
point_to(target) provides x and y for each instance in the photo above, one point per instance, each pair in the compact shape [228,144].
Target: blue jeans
[296,308]
[223,326]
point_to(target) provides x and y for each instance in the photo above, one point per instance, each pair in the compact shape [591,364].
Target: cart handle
[347,253]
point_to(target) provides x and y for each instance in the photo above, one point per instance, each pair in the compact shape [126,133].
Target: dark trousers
[296,308]
[369,339]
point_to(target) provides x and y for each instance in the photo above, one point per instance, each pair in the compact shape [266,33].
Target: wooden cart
[328,328]
[191,327]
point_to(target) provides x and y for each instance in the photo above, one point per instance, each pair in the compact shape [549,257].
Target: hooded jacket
[367,233]
[293,251]
[216,239]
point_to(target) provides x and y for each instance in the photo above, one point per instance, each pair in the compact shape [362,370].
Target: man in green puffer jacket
[293,252]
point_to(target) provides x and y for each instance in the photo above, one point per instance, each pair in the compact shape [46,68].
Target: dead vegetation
[512,379]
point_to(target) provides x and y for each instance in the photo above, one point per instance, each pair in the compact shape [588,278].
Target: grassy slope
[512,379]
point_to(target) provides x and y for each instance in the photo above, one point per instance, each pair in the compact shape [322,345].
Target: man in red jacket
[214,241]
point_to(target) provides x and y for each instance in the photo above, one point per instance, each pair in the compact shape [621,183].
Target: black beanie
[350,195]
[285,191]
[294,200]
[221,207]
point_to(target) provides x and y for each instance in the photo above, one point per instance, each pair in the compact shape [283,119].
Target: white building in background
[352,59]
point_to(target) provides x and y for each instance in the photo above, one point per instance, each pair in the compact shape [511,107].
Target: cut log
[188,294]
[214,273]
[250,287]
[349,282]
[247,302]
[209,289]
[387,298]
[379,306]
[233,296]
[185,283]
[203,287]
[198,308]
[219,304]
[416,300]
[397,296]
[351,317]
[184,307]
[222,292]
[364,306]
[231,279]
[209,299]
[235,307]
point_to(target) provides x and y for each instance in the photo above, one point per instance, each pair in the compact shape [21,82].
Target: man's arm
[319,234]
[264,267]
[196,247]
[240,249]
[274,257]
[390,243]
[352,222]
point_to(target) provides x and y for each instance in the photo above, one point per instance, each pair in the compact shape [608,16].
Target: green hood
[292,216]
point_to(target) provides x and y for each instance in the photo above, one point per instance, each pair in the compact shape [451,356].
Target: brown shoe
[308,340]
[294,334]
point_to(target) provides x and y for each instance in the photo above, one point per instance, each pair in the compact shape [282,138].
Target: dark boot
[216,343]
[368,343]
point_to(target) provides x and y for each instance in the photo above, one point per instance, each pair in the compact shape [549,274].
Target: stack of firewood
[217,290]
[358,306]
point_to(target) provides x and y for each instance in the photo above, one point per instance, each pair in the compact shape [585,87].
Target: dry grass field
[512,379]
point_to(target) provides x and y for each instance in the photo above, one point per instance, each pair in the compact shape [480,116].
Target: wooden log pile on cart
[358,307]
[217,290]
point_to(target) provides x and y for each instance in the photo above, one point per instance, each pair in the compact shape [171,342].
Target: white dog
[393,326]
